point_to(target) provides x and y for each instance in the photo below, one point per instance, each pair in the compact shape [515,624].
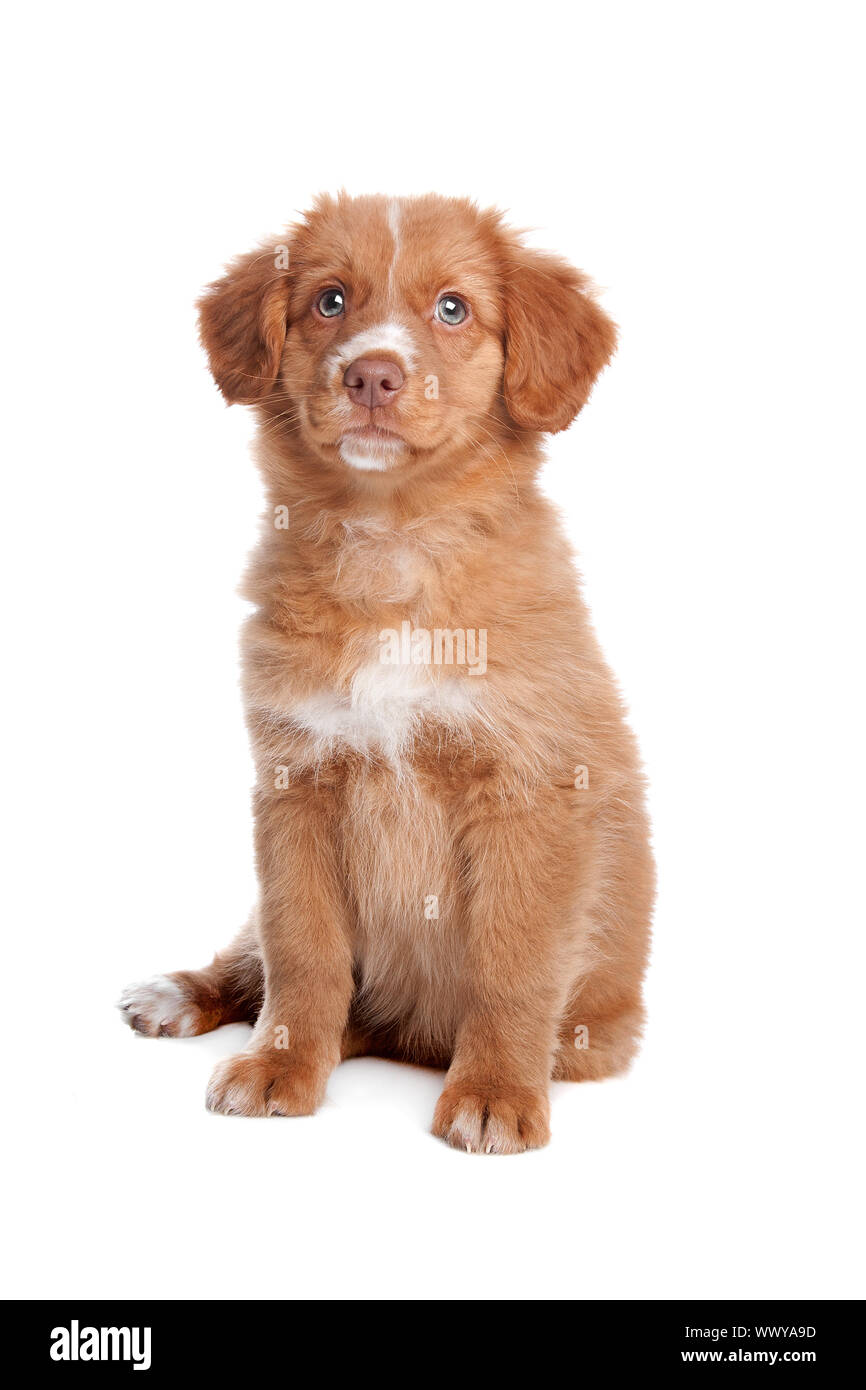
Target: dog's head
[389,333]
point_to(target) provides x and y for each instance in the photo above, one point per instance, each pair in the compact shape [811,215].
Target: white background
[702,162]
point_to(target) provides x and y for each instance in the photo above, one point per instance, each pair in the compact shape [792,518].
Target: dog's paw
[258,1083]
[492,1120]
[160,1008]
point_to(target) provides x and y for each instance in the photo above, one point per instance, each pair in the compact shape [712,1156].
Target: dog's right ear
[242,324]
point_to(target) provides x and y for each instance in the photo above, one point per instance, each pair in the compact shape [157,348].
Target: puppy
[450,832]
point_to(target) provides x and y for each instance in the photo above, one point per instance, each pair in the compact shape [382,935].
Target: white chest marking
[383,708]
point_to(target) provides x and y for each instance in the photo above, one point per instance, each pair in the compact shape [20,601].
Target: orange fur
[383,789]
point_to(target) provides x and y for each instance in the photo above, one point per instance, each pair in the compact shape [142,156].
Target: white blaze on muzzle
[389,338]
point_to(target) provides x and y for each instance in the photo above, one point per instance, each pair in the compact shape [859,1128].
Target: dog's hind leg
[188,1002]
[601,1026]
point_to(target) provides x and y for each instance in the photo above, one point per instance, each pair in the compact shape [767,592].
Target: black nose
[372,381]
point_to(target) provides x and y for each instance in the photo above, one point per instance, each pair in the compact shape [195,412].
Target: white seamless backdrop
[700,163]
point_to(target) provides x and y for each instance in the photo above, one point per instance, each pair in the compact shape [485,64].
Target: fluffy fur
[454,865]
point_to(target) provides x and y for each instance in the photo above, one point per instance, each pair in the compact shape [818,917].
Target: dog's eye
[331,303]
[450,309]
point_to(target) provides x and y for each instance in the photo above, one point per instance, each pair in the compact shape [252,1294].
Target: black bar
[248,1338]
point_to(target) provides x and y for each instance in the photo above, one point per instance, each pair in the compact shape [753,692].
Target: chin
[370,455]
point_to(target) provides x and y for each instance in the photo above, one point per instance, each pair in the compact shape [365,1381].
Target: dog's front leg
[496,1092]
[307,955]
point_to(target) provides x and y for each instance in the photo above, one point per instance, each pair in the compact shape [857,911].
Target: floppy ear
[242,325]
[557,340]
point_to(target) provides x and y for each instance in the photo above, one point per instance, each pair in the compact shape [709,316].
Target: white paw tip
[153,1006]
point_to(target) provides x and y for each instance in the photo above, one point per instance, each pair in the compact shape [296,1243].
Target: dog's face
[391,334]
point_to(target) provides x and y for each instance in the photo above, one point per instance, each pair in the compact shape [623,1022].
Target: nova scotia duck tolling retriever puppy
[451,841]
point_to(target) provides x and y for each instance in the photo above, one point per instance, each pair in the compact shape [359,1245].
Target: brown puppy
[451,840]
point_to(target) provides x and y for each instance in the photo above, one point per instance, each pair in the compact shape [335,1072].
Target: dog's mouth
[374,434]
[371,441]
[371,448]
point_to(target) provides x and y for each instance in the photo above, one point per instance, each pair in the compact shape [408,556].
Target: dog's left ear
[557,339]
[242,323]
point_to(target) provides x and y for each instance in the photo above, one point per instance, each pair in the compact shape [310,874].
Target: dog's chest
[384,708]
[390,685]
